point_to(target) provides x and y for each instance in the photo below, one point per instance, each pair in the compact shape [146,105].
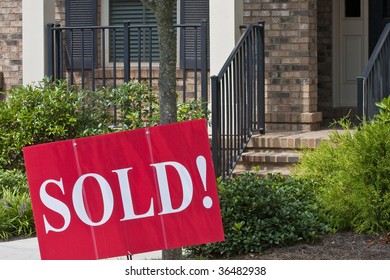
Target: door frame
[336,26]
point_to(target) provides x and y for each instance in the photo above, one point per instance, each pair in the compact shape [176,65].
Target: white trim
[36,15]
[336,16]
[226,16]
[104,19]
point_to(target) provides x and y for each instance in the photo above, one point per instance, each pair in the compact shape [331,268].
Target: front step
[277,152]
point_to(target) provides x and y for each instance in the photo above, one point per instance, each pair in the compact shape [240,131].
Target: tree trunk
[163,10]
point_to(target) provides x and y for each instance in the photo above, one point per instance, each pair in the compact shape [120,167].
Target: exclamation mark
[201,163]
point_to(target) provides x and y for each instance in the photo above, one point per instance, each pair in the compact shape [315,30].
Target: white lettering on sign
[78,201]
[55,205]
[127,200]
[81,209]
[165,195]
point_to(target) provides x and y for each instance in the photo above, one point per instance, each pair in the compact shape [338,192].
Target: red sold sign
[125,192]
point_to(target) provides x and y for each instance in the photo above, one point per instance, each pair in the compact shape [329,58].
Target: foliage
[137,105]
[192,110]
[353,171]
[384,110]
[46,112]
[259,213]
[93,111]
[16,217]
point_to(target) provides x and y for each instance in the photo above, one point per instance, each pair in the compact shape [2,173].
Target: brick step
[278,152]
[262,173]
[289,140]
[271,157]
[268,161]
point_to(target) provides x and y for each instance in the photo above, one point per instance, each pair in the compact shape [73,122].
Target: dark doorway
[379,16]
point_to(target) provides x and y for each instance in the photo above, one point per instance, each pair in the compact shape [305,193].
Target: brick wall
[291,61]
[324,31]
[11,42]
[11,50]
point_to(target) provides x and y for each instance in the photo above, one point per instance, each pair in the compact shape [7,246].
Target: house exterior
[314,51]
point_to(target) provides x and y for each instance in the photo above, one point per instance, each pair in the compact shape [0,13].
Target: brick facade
[298,57]
[11,42]
[324,33]
[291,61]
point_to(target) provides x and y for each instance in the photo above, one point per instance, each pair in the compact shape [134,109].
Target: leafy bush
[137,105]
[191,110]
[353,171]
[16,217]
[259,213]
[46,112]
[384,110]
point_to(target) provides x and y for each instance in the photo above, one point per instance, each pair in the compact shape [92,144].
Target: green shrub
[259,213]
[191,110]
[384,110]
[16,217]
[137,105]
[46,112]
[353,171]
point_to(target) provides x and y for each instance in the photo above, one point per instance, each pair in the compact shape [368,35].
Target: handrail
[238,105]
[374,83]
[62,63]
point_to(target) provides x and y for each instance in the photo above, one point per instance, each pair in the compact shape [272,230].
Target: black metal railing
[374,84]
[238,102]
[102,56]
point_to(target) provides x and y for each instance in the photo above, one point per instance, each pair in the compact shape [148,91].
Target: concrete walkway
[28,249]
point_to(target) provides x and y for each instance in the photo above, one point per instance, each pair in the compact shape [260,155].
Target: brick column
[11,43]
[291,62]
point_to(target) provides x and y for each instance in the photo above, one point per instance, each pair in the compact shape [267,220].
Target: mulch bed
[337,246]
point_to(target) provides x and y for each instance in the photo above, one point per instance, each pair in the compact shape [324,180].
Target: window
[141,39]
[352,8]
[386,8]
[120,11]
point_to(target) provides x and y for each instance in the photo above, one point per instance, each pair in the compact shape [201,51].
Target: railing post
[250,75]
[360,98]
[216,125]
[261,77]
[58,52]
[126,52]
[50,51]
[203,63]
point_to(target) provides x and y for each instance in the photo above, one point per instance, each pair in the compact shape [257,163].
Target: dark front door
[379,16]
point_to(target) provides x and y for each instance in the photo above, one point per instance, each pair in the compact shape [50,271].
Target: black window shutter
[192,12]
[81,45]
[141,40]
